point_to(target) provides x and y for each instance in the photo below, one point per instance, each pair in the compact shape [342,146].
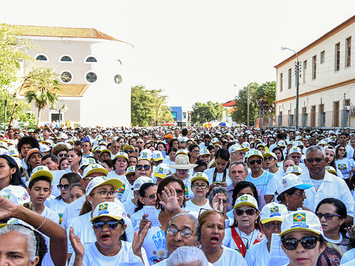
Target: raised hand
[217,203]
[8,209]
[139,239]
[76,244]
[171,203]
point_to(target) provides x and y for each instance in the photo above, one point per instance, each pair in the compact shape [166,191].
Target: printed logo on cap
[121,189]
[274,211]
[299,220]
[244,198]
[103,209]
[284,182]
[7,196]
[94,166]
[199,174]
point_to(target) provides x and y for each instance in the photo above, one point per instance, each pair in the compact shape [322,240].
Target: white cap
[121,155]
[290,181]
[161,171]
[103,180]
[13,152]
[237,147]
[16,194]
[246,200]
[145,154]
[157,156]
[255,152]
[200,176]
[294,169]
[87,161]
[109,209]
[204,152]
[130,170]
[273,212]
[140,181]
[94,168]
[294,149]
[301,220]
[41,171]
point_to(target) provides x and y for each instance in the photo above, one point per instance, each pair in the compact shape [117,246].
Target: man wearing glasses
[260,178]
[325,185]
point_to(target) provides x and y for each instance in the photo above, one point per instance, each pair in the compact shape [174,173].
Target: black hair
[223,154]
[201,163]
[240,186]
[53,157]
[142,190]
[193,146]
[172,149]
[290,191]
[109,163]
[15,177]
[279,149]
[211,147]
[166,181]
[40,178]
[27,140]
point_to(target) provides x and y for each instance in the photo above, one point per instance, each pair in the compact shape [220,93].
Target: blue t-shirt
[263,183]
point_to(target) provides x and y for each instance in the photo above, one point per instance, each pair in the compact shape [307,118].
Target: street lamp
[62,110]
[297,83]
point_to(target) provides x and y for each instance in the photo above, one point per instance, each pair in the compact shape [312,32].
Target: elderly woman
[187,256]
[290,191]
[211,230]
[9,172]
[302,238]
[246,230]
[108,223]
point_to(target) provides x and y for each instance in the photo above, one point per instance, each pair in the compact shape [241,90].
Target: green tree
[41,84]
[149,107]
[206,112]
[265,96]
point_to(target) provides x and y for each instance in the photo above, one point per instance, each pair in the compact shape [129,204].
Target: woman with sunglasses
[144,168]
[212,231]
[110,246]
[170,201]
[290,190]
[59,204]
[302,238]
[199,186]
[60,150]
[245,231]
[332,215]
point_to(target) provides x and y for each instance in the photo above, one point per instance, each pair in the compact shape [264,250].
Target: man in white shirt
[325,185]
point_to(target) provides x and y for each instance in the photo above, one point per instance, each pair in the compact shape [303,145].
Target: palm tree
[41,84]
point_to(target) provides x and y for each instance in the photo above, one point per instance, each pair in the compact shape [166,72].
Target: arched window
[41,57]
[66,58]
[91,77]
[66,77]
[118,79]
[91,59]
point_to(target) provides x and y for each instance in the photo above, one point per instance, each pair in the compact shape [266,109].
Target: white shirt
[332,186]
[258,255]
[348,256]
[129,207]
[58,206]
[72,210]
[192,207]
[92,256]
[230,256]
[155,245]
[219,176]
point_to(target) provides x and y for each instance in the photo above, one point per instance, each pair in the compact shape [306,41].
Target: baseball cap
[130,170]
[16,194]
[273,212]
[105,150]
[103,180]
[94,168]
[121,155]
[255,152]
[32,151]
[246,145]
[200,176]
[109,209]
[145,154]
[331,169]
[301,220]
[204,152]
[126,147]
[295,149]
[13,152]
[267,154]
[161,171]
[182,151]
[237,147]
[86,161]
[290,181]
[294,169]
[281,143]
[41,171]
[140,181]
[157,156]
[246,200]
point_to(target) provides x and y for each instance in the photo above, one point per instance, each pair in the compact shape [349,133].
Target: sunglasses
[66,186]
[131,151]
[272,226]
[252,162]
[111,224]
[308,242]
[317,160]
[140,167]
[327,216]
[249,212]
[268,158]
[62,154]
[152,197]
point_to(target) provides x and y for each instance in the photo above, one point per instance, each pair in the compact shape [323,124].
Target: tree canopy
[149,107]
[206,112]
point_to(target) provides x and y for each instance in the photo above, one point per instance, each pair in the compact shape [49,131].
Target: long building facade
[326,82]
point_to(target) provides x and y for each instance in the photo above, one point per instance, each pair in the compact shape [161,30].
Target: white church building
[93,70]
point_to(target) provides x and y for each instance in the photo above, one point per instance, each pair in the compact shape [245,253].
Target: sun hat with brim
[301,221]
[161,171]
[109,209]
[140,181]
[103,180]
[130,170]
[290,181]
[246,200]
[16,194]
[182,162]
[294,169]
[105,150]
[267,154]
[126,147]
[41,171]
[331,169]
[273,212]
[94,168]
[200,176]
[32,151]
[121,155]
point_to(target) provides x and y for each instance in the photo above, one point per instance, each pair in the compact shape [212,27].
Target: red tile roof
[66,90]
[229,103]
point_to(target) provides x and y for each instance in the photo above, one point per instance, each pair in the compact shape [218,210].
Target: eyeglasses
[200,185]
[180,192]
[140,167]
[105,194]
[300,193]
[62,154]
[152,197]
[185,233]
[308,242]
[249,212]
[318,160]
[66,186]
[111,224]
[272,226]
[131,151]
[252,162]
[269,158]
[327,216]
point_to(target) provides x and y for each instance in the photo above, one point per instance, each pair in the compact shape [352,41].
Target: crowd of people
[177,196]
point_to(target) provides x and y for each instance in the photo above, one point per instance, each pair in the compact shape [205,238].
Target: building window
[337,57]
[66,77]
[304,70]
[289,78]
[281,81]
[314,67]
[322,57]
[347,102]
[41,57]
[348,52]
[118,79]
[66,58]
[90,59]
[91,77]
